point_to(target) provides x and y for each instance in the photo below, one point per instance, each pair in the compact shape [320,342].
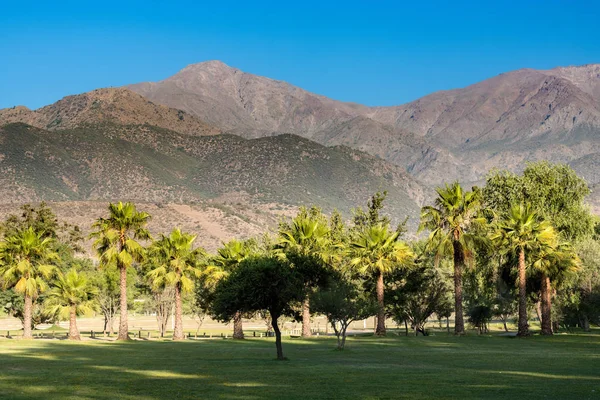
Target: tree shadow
[475,367]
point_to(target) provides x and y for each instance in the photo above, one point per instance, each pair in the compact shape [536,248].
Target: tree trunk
[306,318]
[73,331]
[546,306]
[459,260]
[380,330]
[538,311]
[523,325]
[585,323]
[275,325]
[178,330]
[123,325]
[27,317]
[343,334]
[406,328]
[238,328]
[504,323]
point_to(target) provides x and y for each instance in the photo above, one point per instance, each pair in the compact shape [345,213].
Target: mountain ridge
[457,134]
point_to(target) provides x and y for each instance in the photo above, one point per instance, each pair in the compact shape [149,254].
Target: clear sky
[370,52]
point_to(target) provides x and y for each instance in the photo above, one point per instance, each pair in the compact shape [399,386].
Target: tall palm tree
[228,258]
[26,259]
[521,231]
[177,266]
[71,295]
[377,250]
[454,224]
[553,264]
[308,238]
[116,242]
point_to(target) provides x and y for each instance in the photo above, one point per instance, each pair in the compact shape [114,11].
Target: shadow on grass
[430,367]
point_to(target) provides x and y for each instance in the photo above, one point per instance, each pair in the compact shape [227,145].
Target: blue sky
[370,52]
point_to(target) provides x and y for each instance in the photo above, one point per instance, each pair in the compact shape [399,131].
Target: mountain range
[212,133]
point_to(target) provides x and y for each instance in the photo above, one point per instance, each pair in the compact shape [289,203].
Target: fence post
[254,333]
[8,334]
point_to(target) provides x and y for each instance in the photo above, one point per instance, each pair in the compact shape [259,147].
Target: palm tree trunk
[546,306]
[306,318]
[459,323]
[380,330]
[275,325]
[73,331]
[178,330]
[123,325]
[238,329]
[523,325]
[27,317]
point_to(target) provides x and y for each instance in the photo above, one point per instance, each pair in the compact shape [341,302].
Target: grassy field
[434,367]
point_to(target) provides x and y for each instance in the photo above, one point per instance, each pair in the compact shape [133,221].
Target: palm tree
[308,238]
[553,264]
[454,223]
[26,259]
[178,266]
[116,242]
[228,258]
[377,250]
[72,295]
[521,231]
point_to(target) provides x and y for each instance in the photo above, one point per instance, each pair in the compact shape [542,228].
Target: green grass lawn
[434,367]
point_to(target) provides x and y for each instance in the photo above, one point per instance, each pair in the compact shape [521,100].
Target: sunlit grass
[434,367]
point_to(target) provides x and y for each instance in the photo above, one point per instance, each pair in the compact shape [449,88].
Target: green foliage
[377,250]
[72,290]
[522,229]
[116,236]
[554,192]
[342,302]
[263,283]
[480,316]
[418,293]
[176,261]
[67,238]
[26,261]
[454,223]
[259,283]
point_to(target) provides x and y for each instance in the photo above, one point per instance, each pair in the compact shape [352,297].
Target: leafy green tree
[26,264]
[260,283]
[578,300]
[228,258]
[178,266]
[157,298]
[377,251]
[343,302]
[41,219]
[553,191]
[455,229]
[108,296]
[116,242]
[419,292]
[521,231]
[306,241]
[71,295]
